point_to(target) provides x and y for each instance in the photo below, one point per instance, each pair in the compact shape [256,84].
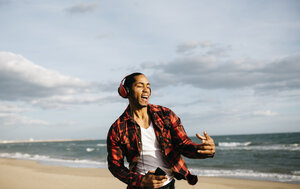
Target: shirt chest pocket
[128,148]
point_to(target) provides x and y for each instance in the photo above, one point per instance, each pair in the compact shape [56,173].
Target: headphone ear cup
[122,91]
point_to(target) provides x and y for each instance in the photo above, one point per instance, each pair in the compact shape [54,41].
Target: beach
[26,174]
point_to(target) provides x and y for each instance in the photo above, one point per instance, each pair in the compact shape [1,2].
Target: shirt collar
[156,120]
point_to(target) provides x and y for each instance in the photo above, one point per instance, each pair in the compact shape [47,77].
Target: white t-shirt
[151,157]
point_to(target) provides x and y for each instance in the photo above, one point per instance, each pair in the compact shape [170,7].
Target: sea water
[272,157]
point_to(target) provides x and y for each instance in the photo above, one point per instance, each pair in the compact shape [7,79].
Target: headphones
[123,92]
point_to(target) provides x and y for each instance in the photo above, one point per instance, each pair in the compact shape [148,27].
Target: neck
[139,113]
[141,116]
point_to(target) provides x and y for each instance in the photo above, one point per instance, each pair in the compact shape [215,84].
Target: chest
[132,141]
[148,139]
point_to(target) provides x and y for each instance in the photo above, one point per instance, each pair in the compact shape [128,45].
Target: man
[151,136]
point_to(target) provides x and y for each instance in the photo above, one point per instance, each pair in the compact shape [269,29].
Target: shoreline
[39,141]
[28,174]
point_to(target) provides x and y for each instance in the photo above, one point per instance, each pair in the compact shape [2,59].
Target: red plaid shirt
[124,140]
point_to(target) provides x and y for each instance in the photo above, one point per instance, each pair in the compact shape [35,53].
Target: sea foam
[55,161]
[247,174]
[252,146]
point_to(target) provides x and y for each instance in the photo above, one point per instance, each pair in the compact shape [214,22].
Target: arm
[115,159]
[186,146]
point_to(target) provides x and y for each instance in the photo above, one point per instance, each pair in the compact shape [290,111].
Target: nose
[146,89]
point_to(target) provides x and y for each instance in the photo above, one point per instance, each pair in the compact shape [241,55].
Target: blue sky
[227,67]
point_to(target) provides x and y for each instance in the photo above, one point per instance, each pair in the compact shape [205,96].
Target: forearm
[115,159]
[124,174]
[190,149]
[184,144]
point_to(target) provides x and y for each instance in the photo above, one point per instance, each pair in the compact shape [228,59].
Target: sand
[23,174]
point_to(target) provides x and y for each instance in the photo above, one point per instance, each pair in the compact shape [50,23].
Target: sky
[225,67]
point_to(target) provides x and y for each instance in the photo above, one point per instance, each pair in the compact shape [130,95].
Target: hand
[208,145]
[154,181]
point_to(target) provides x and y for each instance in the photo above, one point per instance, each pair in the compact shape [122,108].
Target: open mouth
[145,97]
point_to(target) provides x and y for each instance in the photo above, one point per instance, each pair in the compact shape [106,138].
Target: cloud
[21,79]
[66,102]
[264,113]
[10,116]
[6,108]
[192,45]
[210,70]
[11,119]
[82,8]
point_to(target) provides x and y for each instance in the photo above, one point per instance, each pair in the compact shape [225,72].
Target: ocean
[271,157]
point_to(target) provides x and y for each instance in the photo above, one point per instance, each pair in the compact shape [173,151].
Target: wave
[296,172]
[253,146]
[101,145]
[89,149]
[233,144]
[55,161]
[248,174]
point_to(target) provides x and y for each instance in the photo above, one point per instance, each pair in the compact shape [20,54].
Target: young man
[151,136]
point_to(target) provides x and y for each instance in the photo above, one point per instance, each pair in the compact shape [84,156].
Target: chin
[143,105]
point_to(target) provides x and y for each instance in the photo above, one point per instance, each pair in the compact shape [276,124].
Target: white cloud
[23,69]
[66,101]
[20,79]
[11,108]
[10,115]
[11,119]
[264,113]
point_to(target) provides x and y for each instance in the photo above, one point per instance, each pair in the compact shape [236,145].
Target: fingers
[151,172]
[200,137]
[204,138]
[160,177]
[206,147]
[206,152]
[153,181]
[207,136]
[158,181]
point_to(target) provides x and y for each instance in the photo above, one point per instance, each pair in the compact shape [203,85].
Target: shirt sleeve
[182,142]
[115,159]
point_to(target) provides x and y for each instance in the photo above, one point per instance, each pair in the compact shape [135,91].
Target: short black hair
[129,80]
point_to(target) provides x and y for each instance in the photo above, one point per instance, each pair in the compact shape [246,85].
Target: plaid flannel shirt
[124,140]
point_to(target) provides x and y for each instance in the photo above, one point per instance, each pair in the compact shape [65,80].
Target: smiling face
[140,92]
